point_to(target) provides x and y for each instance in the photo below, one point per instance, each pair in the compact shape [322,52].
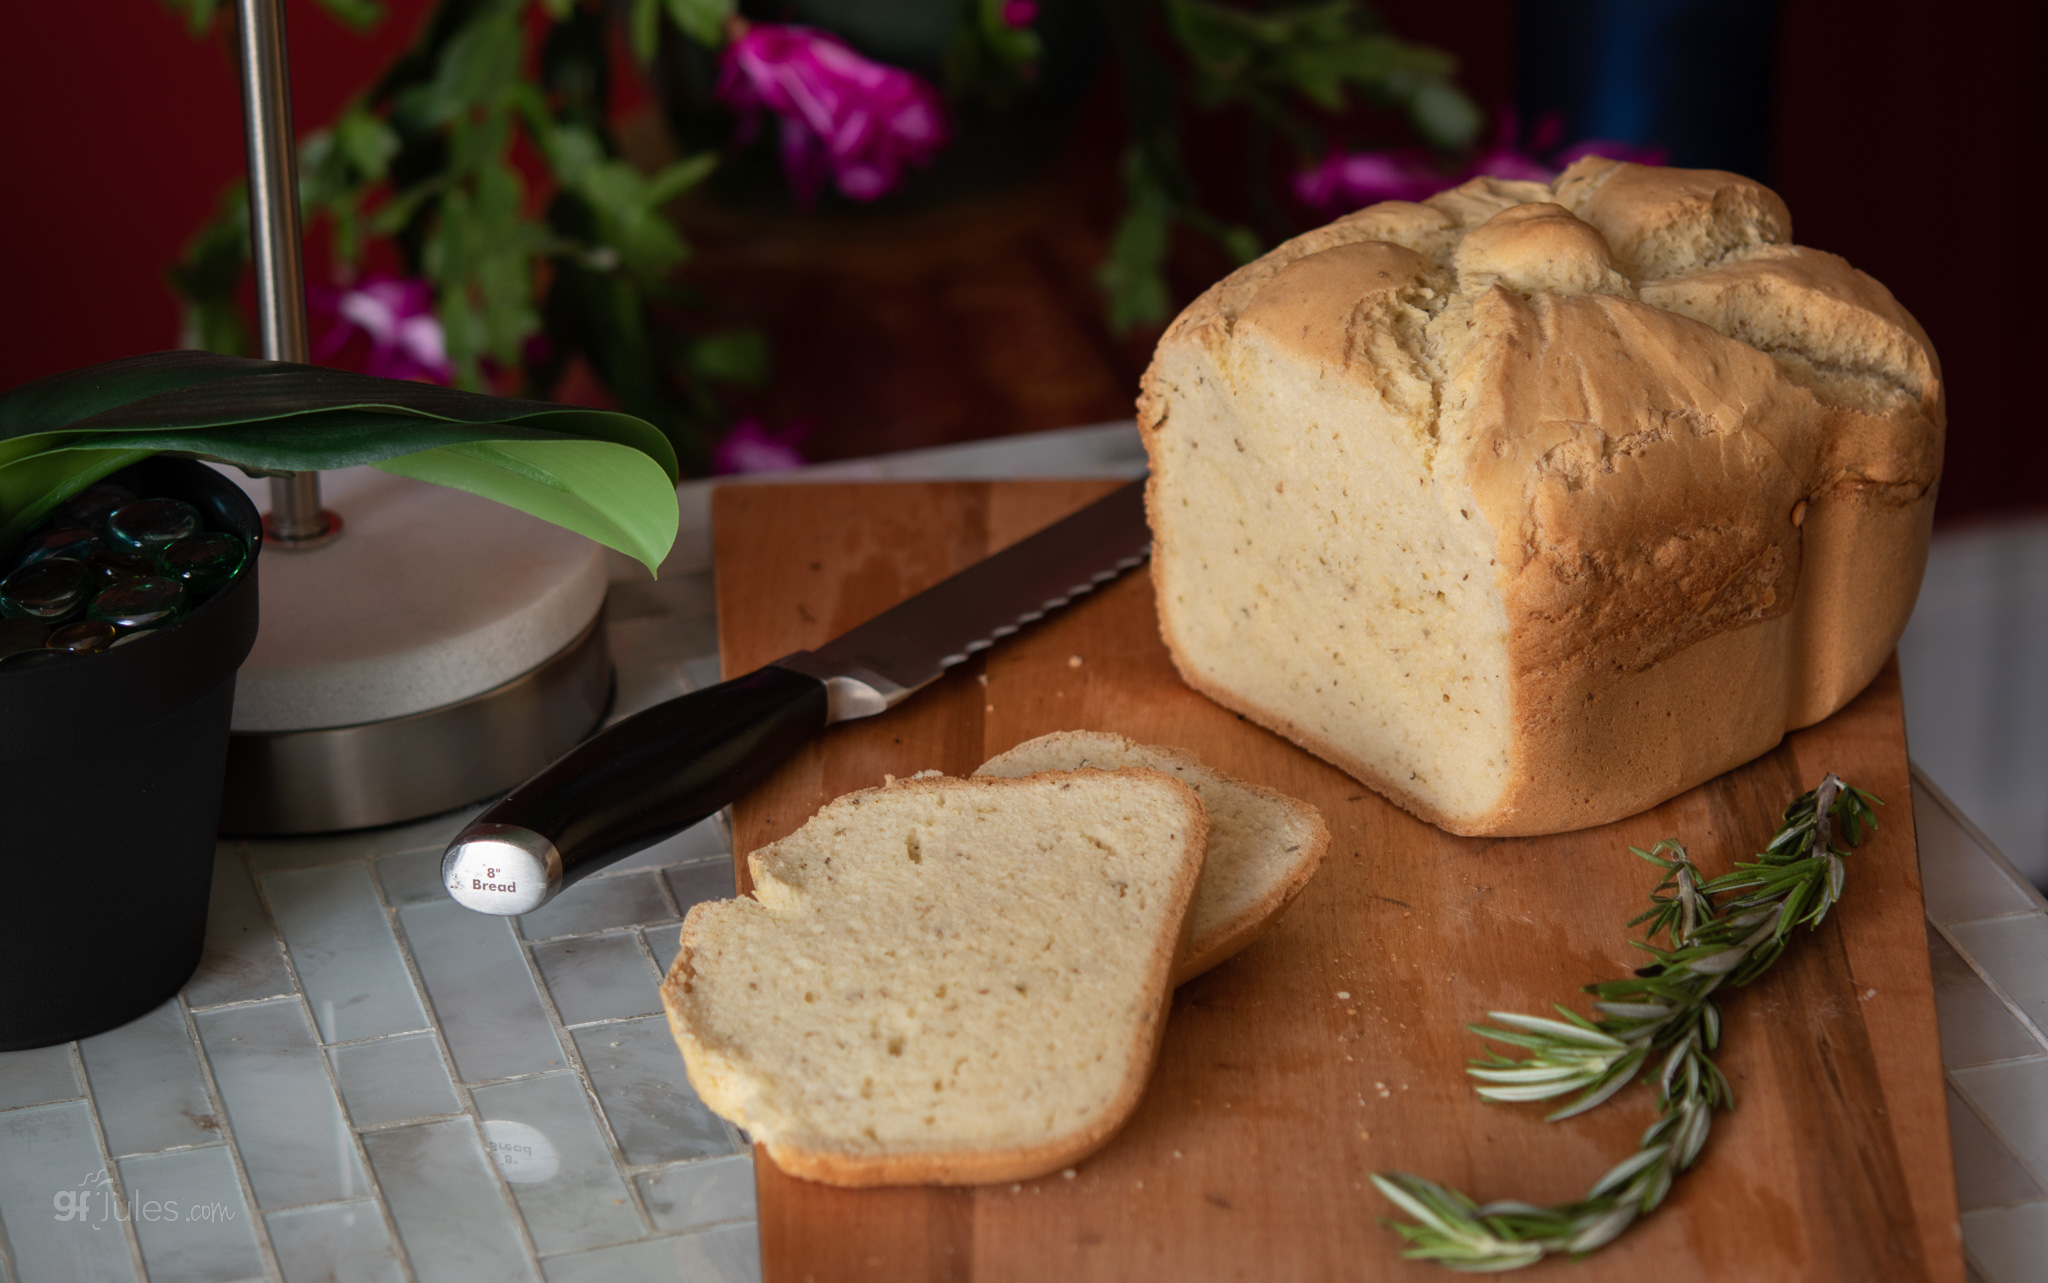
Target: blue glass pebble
[82,637]
[139,603]
[203,562]
[91,506]
[149,524]
[40,658]
[109,568]
[74,542]
[48,590]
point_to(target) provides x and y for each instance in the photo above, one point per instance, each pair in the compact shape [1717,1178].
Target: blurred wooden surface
[1334,1046]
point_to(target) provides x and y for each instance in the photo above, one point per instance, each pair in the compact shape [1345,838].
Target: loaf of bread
[1533,505]
[1263,846]
[944,980]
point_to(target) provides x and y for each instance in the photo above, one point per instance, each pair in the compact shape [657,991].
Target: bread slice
[1263,846]
[947,981]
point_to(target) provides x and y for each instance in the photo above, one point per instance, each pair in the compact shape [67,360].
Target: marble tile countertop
[365,1081]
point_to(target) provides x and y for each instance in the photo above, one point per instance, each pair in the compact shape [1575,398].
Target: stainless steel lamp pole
[386,685]
[295,513]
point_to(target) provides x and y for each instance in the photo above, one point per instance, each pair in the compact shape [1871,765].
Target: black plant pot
[110,777]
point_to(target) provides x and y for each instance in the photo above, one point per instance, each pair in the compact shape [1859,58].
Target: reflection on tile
[1961,882]
[446,1203]
[598,904]
[704,840]
[364,844]
[647,1099]
[145,1080]
[542,1132]
[393,1079]
[58,1207]
[1976,1028]
[695,883]
[341,944]
[2013,952]
[37,1077]
[288,1126]
[411,878]
[338,1243]
[242,959]
[1986,1175]
[664,943]
[482,992]
[2008,1096]
[190,1217]
[598,978]
[690,1195]
[2005,1242]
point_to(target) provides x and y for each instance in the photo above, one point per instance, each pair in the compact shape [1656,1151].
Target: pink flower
[1353,180]
[396,316]
[858,121]
[751,446]
[1020,13]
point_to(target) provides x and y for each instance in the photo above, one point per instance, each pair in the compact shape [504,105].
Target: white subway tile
[190,1217]
[288,1125]
[337,1243]
[145,1081]
[354,979]
[451,1215]
[646,1096]
[599,978]
[482,993]
[542,1132]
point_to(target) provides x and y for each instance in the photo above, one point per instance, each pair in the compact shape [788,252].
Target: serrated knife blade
[664,769]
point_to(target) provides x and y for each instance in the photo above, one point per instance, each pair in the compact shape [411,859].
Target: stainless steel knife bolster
[662,770]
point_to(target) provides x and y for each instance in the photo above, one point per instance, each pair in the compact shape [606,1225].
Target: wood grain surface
[1334,1046]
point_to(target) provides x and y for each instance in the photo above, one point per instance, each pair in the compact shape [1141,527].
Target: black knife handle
[630,786]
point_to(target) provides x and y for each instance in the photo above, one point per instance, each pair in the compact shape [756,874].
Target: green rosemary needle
[1662,1023]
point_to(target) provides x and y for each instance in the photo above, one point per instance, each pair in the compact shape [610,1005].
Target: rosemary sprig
[1723,932]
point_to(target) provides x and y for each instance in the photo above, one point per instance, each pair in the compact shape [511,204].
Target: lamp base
[439,650]
[354,777]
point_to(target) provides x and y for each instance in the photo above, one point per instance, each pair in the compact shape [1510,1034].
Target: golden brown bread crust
[959,1167]
[1707,457]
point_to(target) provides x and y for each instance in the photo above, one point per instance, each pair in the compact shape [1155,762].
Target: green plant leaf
[611,493]
[183,392]
[361,15]
[1443,114]
[701,20]
[643,28]
[198,13]
[31,487]
[734,356]
[607,475]
[1134,276]
[55,402]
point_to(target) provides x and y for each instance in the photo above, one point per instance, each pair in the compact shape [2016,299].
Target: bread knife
[661,770]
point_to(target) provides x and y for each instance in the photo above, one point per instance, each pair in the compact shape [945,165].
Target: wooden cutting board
[1334,1046]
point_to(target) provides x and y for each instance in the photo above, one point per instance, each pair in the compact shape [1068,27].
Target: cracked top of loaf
[1626,387]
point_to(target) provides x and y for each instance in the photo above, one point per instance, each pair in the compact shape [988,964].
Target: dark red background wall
[122,129]
[1910,138]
